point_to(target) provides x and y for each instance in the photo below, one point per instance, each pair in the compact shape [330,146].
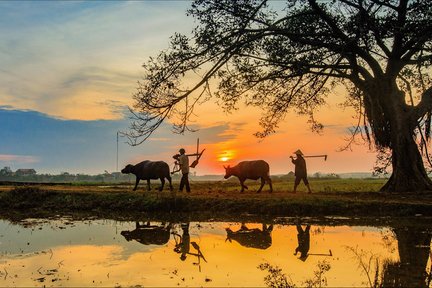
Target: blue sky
[33,139]
[68,70]
[37,140]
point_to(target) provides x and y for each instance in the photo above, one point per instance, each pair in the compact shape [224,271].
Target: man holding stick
[300,170]
[183,161]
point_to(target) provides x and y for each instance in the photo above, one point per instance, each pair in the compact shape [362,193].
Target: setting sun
[226,156]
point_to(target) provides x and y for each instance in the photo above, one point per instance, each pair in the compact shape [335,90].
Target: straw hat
[298,152]
[303,257]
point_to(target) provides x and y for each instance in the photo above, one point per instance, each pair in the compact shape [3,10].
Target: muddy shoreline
[119,202]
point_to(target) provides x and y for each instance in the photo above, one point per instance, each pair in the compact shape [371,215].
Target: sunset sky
[67,74]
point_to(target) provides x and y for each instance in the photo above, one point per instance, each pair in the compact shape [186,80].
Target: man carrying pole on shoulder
[300,170]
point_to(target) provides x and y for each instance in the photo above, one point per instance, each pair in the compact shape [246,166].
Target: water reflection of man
[183,245]
[303,238]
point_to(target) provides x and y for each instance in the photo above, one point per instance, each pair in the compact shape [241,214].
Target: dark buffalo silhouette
[252,238]
[149,234]
[147,170]
[250,170]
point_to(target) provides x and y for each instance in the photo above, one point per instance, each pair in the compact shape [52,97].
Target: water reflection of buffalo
[148,170]
[253,238]
[149,234]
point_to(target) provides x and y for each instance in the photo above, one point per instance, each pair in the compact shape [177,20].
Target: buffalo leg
[162,183]
[136,183]
[148,185]
[170,183]
[262,185]
[270,184]
[243,185]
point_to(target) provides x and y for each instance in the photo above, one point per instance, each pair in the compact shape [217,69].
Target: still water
[87,253]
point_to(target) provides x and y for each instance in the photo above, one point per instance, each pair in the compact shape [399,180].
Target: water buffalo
[250,170]
[147,170]
[149,234]
[252,238]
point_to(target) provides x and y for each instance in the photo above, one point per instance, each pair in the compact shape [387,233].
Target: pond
[94,252]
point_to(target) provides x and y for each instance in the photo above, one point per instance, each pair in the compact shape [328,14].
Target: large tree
[291,57]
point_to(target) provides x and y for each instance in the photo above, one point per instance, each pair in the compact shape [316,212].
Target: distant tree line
[30,175]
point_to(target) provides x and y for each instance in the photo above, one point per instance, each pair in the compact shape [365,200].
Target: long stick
[313,156]
[322,254]
[310,156]
[197,147]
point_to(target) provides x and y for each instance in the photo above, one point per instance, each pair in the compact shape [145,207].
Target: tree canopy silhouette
[290,58]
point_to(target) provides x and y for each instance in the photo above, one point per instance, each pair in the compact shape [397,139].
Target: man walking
[300,170]
[183,161]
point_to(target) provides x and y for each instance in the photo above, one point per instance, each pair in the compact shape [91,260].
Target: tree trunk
[393,127]
[409,174]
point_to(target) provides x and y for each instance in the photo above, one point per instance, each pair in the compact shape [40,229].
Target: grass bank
[338,197]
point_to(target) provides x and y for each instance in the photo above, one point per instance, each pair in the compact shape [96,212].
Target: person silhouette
[303,238]
[183,162]
[300,170]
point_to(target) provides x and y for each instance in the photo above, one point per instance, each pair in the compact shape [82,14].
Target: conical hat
[303,257]
[298,152]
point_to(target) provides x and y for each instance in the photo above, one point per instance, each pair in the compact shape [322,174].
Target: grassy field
[344,197]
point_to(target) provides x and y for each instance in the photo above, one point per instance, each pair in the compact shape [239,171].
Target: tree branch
[345,39]
[424,106]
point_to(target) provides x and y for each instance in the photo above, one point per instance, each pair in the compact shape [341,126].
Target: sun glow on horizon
[226,156]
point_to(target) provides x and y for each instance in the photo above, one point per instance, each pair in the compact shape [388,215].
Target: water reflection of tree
[277,279]
[414,252]
[368,263]
[411,270]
